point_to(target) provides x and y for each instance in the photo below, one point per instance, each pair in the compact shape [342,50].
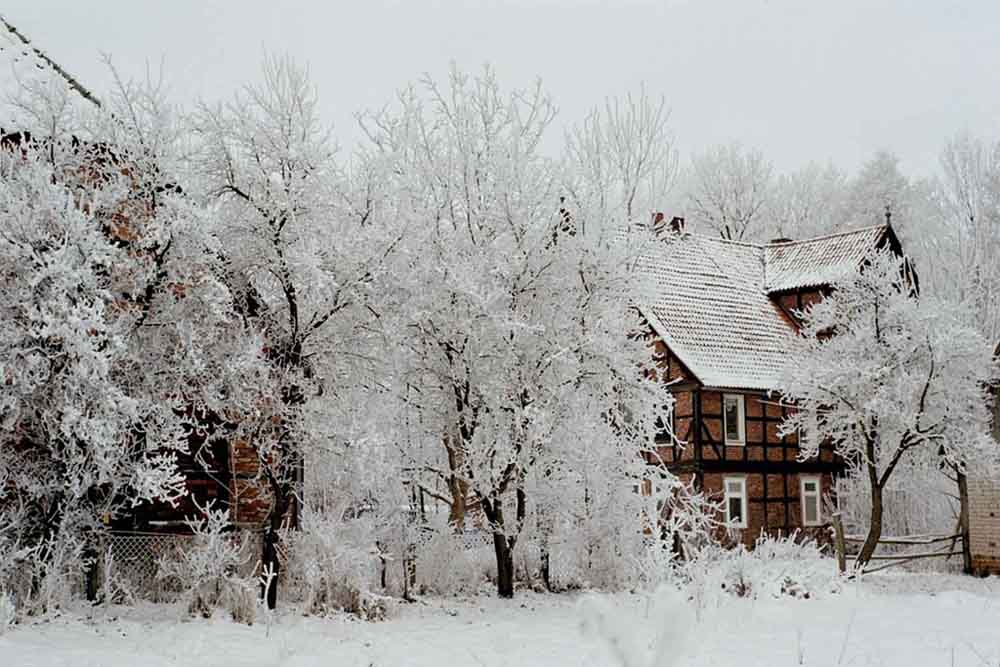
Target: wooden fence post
[838,542]
[91,579]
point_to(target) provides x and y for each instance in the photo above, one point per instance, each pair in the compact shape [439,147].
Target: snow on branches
[893,379]
[512,324]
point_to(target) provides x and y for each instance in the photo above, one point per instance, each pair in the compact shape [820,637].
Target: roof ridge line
[869,228]
[769,244]
[718,239]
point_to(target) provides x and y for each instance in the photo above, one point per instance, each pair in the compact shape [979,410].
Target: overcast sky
[801,80]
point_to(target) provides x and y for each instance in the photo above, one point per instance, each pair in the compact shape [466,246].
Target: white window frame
[742,495]
[741,420]
[817,494]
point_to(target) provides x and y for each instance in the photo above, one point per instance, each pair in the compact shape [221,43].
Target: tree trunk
[270,561]
[456,511]
[94,559]
[406,579]
[503,547]
[875,526]
[546,530]
[838,543]
[677,547]
[272,565]
[963,519]
[457,487]
[383,565]
[505,565]
[545,567]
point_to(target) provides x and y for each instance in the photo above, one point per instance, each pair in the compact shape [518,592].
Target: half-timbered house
[720,313]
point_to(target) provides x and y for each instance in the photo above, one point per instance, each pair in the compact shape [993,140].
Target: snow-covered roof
[819,261]
[710,299]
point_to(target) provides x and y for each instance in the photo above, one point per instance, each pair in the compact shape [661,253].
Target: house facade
[719,317]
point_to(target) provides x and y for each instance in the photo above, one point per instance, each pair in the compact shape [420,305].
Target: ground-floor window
[736,501]
[810,496]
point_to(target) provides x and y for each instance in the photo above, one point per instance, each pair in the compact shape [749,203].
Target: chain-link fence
[130,561]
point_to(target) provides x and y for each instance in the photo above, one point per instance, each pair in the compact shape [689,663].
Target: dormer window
[733,419]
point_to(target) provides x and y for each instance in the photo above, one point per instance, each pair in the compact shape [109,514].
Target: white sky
[801,80]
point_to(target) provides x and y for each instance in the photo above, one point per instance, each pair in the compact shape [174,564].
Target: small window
[642,487]
[736,501]
[732,408]
[810,497]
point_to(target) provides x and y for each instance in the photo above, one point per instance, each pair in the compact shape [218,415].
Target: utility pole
[72,82]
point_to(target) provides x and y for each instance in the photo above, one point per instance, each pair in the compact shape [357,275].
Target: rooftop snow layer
[710,299]
[819,261]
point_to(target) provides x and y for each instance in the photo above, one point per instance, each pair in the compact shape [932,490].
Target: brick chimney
[675,226]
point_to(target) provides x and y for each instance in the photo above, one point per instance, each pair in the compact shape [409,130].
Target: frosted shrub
[776,567]
[24,568]
[47,576]
[451,564]
[15,581]
[615,560]
[209,568]
[334,564]
[8,612]
[789,566]
[115,587]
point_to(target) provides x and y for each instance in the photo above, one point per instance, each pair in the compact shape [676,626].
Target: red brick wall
[250,497]
[770,516]
[670,369]
[984,525]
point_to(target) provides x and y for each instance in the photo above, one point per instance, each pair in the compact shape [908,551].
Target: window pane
[732,419]
[810,487]
[733,487]
[812,509]
[735,510]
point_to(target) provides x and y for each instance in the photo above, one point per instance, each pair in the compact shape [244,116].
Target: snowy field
[906,620]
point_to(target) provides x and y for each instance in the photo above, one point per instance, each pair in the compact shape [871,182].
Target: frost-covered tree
[730,187]
[302,251]
[621,162]
[879,188]
[513,331]
[965,230]
[83,438]
[114,315]
[891,379]
[806,203]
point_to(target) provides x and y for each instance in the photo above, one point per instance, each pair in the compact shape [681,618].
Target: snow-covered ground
[907,620]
